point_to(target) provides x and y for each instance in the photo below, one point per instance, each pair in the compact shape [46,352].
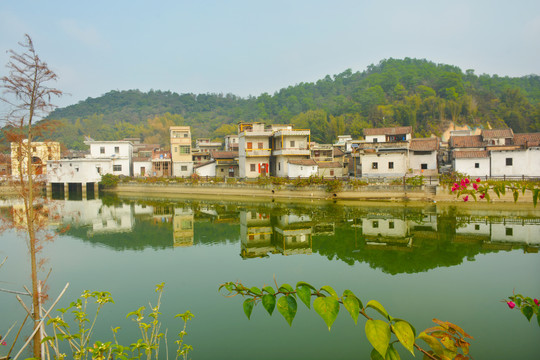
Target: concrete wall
[383,159]
[416,161]
[138,165]
[206,170]
[467,166]
[302,171]
[524,162]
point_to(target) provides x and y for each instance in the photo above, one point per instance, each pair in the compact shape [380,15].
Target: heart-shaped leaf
[287,307]
[327,308]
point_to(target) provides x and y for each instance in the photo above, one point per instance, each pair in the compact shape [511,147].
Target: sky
[252,47]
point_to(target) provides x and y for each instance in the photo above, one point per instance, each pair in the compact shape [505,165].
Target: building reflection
[183,227]
[262,234]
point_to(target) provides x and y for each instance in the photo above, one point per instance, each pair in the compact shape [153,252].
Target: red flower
[467,181]
[511,304]
[4,343]
[475,186]
[482,196]
[478,180]
[537,302]
[466,198]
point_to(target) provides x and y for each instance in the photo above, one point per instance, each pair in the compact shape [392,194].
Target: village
[260,150]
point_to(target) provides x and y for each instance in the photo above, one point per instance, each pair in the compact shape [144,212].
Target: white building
[302,168]
[472,162]
[120,154]
[423,156]
[253,150]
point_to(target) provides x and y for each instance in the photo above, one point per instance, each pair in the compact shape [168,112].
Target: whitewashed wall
[467,166]
[302,171]
[383,159]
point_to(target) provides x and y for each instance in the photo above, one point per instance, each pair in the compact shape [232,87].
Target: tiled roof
[474,154]
[141,159]
[330,164]
[224,154]
[531,139]
[389,130]
[204,164]
[469,141]
[338,151]
[497,133]
[304,162]
[428,144]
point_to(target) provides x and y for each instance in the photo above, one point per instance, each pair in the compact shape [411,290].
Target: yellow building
[41,152]
[181,150]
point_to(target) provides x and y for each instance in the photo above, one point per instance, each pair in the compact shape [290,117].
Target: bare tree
[29,99]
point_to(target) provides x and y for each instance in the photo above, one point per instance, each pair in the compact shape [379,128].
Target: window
[176,149]
[117,149]
[509,231]
[477,165]
[279,166]
[251,167]
[375,224]
[508,161]
[185,135]
[374,140]
[102,150]
[260,145]
[165,166]
[374,165]
[331,172]
[221,169]
[391,225]
[183,168]
[117,167]
[423,166]
[184,149]
[476,227]
[77,169]
[391,165]
[98,169]
[158,166]
[250,145]
[292,143]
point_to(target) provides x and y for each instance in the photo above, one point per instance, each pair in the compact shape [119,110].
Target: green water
[419,262]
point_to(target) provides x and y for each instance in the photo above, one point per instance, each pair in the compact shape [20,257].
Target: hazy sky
[251,47]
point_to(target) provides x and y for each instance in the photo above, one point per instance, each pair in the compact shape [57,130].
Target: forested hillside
[413,92]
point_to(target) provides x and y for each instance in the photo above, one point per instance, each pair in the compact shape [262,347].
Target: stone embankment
[397,193]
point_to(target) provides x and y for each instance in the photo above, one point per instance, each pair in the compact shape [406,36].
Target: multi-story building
[181,151]
[231,142]
[288,144]
[42,152]
[385,152]
[254,149]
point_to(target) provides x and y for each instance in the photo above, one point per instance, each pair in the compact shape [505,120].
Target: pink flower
[537,302]
[463,182]
[482,196]
[456,185]
[511,304]
[466,198]
[475,186]
[4,343]
[478,180]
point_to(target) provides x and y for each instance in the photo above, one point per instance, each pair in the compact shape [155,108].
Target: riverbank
[379,193]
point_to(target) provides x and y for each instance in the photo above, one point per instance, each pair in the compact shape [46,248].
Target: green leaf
[269,303]
[256,290]
[375,355]
[433,343]
[374,304]
[304,293]
[269,290]
[528,312]
[516,195]
[327,308]
[405,335]
[535,196]
[330,291]
[392,354]
[352,304]
[497,192]
[350,293]
[287,307]
[378,334]
[286,288]
[302,283]
[538,319]
[248,307]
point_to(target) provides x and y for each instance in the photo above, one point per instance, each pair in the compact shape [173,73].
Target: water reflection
[394,239]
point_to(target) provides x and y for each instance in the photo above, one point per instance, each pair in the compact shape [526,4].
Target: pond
[420,261]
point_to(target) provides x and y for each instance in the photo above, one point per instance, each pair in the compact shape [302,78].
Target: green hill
[413,92]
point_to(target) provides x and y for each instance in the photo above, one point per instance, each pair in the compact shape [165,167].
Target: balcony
[292,132]
[258,152]
[292,151]
[256,132]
